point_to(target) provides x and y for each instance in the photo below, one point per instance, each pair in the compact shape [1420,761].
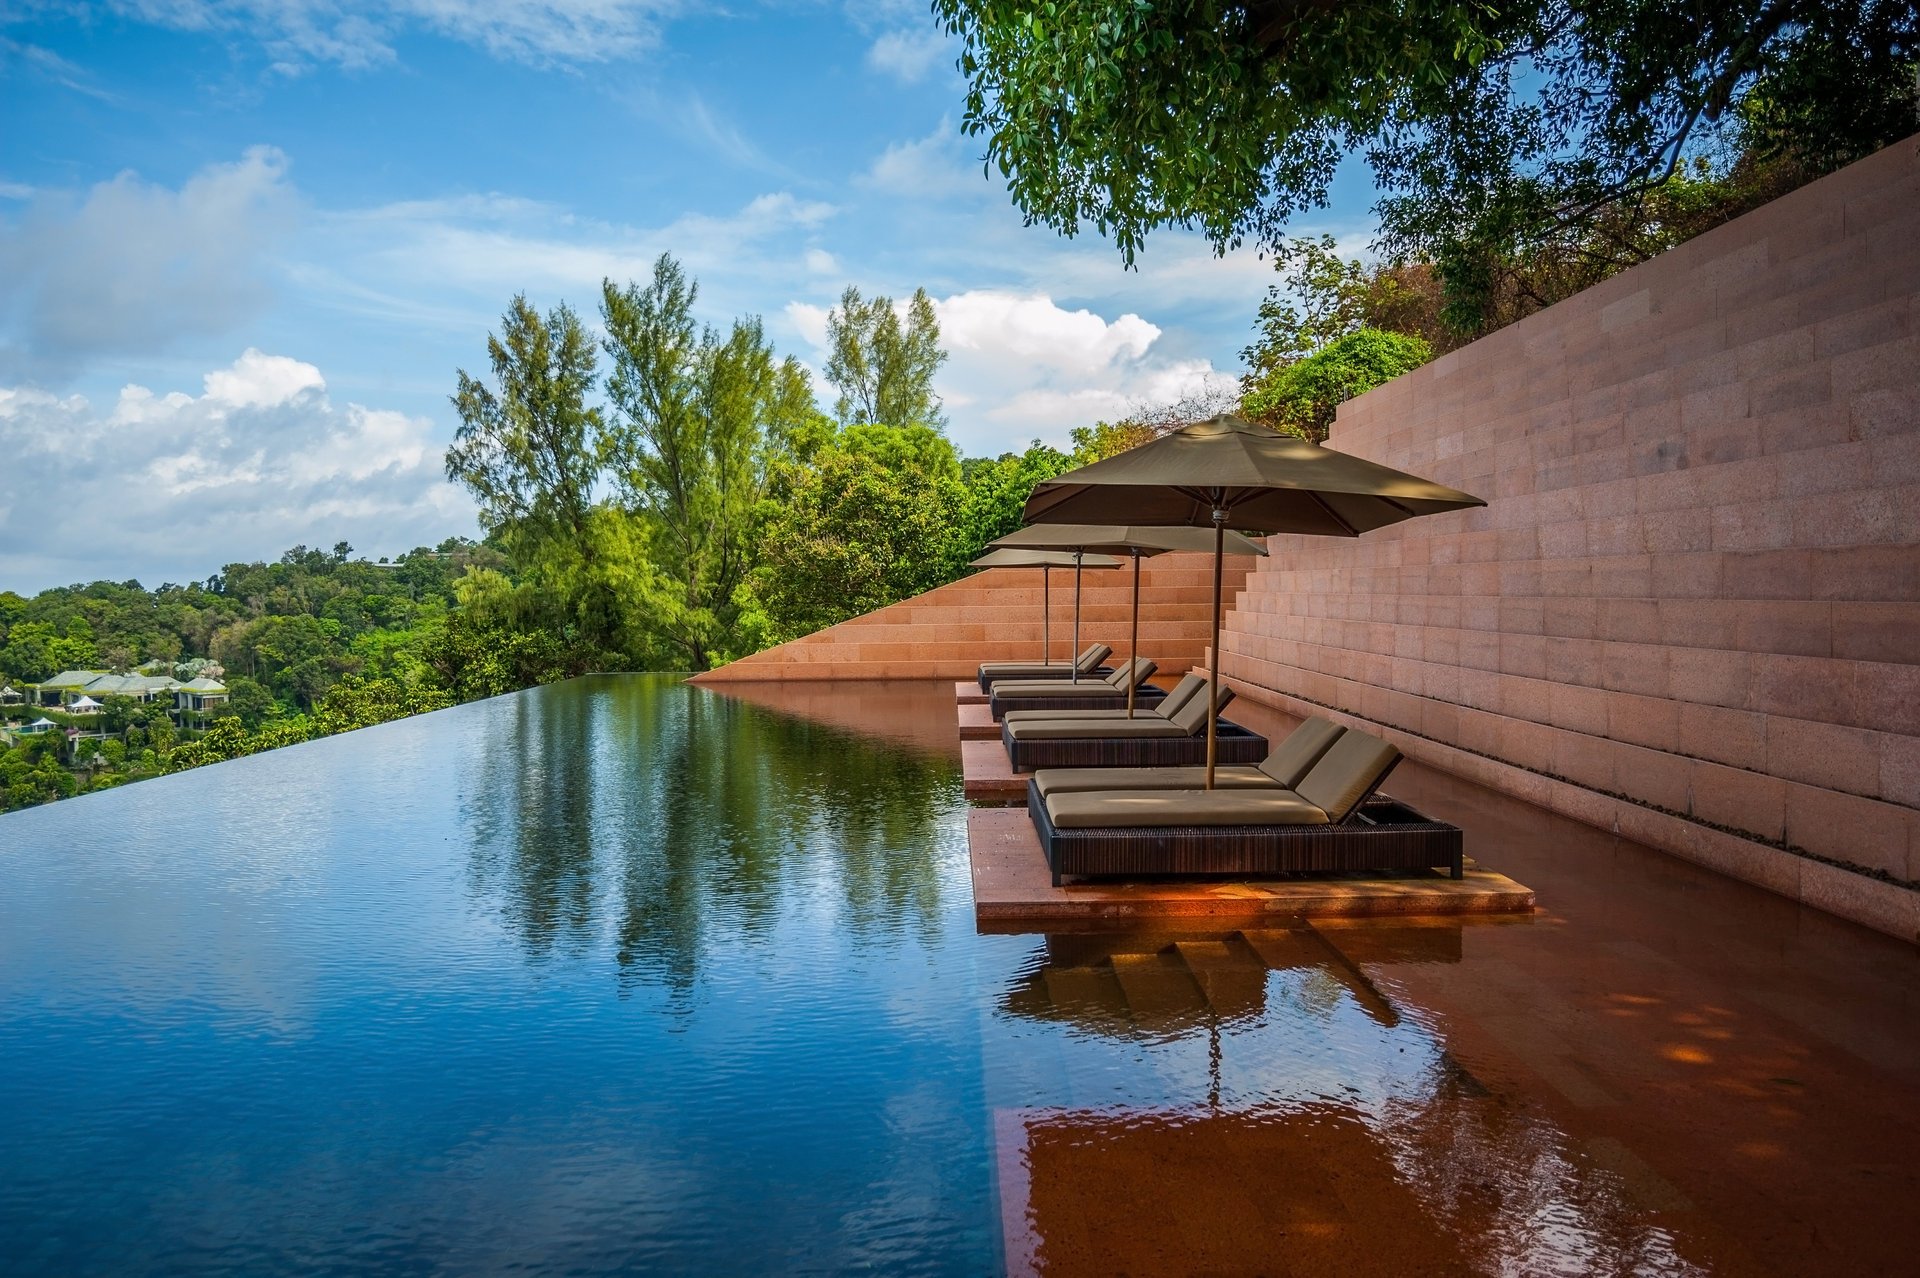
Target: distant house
[198,698]
[79,692]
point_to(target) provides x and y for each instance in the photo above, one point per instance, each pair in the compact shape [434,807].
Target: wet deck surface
[1659,1070]
[1013,889]
[976,722]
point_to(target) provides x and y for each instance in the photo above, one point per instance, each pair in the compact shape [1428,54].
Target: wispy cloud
[260,459]
[45,64]
[357,34]
[908,54]
[130,266]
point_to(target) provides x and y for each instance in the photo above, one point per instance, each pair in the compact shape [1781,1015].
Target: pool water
[623,975]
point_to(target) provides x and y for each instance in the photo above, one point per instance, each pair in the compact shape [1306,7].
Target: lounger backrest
[1192,717]
[1136,672]
[1186,690]
[1092,657]
[1352,768]
[1293,758]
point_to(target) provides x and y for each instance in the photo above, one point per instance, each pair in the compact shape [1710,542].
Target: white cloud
[906,55]
[821,262]
[133,266]
[935,167]
[262,381]
[295,34]
[1022,367]
[487,248]
[173,486]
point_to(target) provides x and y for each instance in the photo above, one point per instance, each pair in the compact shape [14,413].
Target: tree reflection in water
[1315,1078]
[642,813]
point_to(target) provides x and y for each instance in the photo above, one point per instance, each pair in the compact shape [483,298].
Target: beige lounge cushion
[1290,760]
[1146,809]
[1182,691]
[1137,670]
[1347,773]
[1111,730]
[1189,687]
[1191,718]
[1093,656]
[1057,688]
[1084,780]
[1088,660]
[1105,714]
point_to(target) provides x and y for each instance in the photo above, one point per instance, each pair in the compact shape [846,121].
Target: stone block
[1847,828]
[1748,801]
[1832,756]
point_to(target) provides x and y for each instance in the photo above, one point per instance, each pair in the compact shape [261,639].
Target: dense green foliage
[1301,397]
[314,643]
[694,505]
[1495,133]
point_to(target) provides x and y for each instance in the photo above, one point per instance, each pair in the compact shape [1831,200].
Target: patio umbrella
[1046,562]
[1230,471]
[1123,539]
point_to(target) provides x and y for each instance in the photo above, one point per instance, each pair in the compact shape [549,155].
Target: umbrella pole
[1133,640]
[1074,677]
[1213,694]
[1046,613]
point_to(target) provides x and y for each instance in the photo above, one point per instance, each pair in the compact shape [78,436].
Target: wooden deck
[1012,887]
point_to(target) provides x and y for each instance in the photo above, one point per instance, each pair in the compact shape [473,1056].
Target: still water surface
[625,976]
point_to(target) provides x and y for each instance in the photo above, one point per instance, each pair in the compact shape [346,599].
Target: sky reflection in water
[622,975]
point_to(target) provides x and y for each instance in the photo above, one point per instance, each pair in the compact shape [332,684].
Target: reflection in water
[679,819]
[1336,1133]
[625,976]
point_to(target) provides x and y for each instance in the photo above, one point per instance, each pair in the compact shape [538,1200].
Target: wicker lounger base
[1386,835]
[1143,697]
[1086,676]
[1236,745]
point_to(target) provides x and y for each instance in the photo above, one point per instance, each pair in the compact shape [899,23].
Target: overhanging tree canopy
[1485,124]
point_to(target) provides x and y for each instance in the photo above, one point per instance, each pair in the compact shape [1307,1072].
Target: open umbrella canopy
[1265,481]
[1136,540]
[1230,472]
[1008,558]
[1046,560]
[1121,539]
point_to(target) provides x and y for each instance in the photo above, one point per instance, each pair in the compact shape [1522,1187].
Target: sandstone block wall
[1691,610]
[995,616]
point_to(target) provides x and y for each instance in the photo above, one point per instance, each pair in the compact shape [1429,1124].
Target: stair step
[1158,987]
[1231,977]
[1286,948]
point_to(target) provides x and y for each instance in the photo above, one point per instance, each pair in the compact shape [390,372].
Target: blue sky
[244,246]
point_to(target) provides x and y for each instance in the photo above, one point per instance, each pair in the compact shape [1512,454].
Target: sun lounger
[1143,741]
[1282,769]
[1324,824]
[1190,686]
[1091,694]
[1087,665]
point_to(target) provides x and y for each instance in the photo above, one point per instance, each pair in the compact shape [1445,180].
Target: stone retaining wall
[995,616]
[1691,609]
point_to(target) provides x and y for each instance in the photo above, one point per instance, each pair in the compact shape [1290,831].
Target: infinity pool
[622,975]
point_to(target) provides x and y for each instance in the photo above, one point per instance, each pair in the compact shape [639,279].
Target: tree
[529,450]
[882,367]
[1302,397]
[1491,130]
[699,422]
[853,536]
[996,497]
